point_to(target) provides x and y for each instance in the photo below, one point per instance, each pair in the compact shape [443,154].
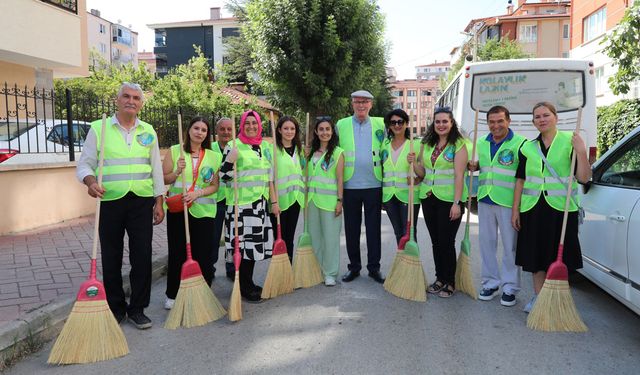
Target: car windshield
[60,134]
[12,130]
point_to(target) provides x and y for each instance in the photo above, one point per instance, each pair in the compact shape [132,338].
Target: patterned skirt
[255,231]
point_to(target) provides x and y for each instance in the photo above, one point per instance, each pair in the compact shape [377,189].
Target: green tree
[492,49]
[310,55]
[623,47]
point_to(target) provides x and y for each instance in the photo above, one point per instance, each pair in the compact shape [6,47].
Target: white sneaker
[529,305]
[329,281]
[168,303]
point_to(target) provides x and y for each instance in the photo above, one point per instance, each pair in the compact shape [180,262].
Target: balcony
[68,5]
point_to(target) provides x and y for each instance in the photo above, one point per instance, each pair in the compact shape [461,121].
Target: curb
[46,322]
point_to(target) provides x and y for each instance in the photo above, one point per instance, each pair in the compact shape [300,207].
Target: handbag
[174,202]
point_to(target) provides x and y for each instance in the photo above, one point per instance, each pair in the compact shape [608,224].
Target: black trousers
[134,215]
[202,244]
[354,199]
[398,212]
[288,222]
[443,236]
[218,224]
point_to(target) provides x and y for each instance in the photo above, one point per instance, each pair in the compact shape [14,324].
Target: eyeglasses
[396,122]
[323,118]
[446,109]
[359,102]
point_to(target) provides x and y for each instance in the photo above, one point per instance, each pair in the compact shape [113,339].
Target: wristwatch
[457,202]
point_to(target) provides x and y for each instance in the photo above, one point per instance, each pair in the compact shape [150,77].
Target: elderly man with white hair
[132,197]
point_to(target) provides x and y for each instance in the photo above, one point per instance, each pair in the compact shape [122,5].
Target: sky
[418,31]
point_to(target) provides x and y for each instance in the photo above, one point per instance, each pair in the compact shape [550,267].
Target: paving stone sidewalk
[48,264]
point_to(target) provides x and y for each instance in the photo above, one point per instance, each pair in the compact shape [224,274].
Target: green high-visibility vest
[253,173]
[289,179]
[539,179]
[323,181]
[222,188]
[497,177]
[345,130]
[126,168]
[204,206]
[439,178]
[394,176]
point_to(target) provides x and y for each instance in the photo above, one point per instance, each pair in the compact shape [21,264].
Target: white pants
[492,219]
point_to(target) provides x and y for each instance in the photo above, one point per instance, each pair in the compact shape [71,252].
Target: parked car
[610,235]
[24,142]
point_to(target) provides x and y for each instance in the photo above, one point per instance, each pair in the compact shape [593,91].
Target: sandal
[436,287]
[446,291]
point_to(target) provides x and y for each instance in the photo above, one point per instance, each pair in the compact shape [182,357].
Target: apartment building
[590,22]
[174,41]
[149,58]
[433,71]
[42,40]
[115,43]
[417,97]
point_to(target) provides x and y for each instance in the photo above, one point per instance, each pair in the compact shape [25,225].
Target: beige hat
[362,94]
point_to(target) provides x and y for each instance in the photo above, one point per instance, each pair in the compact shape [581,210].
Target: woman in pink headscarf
[255,230]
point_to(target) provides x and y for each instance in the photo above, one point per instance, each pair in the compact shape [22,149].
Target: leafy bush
[616,121]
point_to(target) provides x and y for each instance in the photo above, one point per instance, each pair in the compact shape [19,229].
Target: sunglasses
[446,109]
[323,118]
[396,122]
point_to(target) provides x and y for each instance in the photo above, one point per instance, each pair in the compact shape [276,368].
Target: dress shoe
[376,276]
[350,276]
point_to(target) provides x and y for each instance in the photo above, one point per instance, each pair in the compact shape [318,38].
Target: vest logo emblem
[325,166]
[267,154]
[384,155]
[449,153]
[380,135]
[207,174]
[145,139]
[506,157]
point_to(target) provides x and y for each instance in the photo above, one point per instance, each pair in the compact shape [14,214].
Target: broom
[91,333]
[279,278]
[554,309]
[235,304]
[406,278]
[195,304]
[464,275]
[306,269]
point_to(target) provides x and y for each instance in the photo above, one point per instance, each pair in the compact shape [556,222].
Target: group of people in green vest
[360,162]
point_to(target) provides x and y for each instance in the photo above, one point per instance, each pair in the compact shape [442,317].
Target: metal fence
[41,121]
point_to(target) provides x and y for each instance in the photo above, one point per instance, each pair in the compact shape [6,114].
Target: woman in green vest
[442,163]
[289,177]
[252,155]
[395,172]
[539,197]
[200,168]
[326,177]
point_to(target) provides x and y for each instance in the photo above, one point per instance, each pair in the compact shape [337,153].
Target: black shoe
[252,296]
[350,276]
[257,289]
[231,276]
[140,320]
[120,317]
[376,276]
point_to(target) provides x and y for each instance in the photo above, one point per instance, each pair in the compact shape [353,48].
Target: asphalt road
[359,328]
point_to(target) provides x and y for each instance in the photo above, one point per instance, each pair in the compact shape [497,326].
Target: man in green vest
[361,138]
[497,162]
[224,132]
[131,194]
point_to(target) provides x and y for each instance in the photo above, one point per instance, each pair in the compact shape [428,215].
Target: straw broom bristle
[91,334]
[408,280]
[279,278]
[464,276]
[394,266]
[235,304]
[195,305]
[306,269]
[555,310]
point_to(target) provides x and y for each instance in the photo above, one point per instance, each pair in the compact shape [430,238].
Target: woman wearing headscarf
[253,162]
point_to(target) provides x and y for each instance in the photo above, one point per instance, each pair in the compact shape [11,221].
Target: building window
[400,93]
[426,93]
[528,33]
[103,29]
[599,73]
[103,48]
[594,25]
[412,105]
[565,31]
[411,92]
[565,55]
[161,38]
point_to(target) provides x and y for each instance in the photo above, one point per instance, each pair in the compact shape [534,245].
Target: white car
[610,235]
[46,141]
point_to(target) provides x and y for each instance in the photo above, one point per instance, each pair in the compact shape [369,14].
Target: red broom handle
[473,155]
[185,209]
[96,225]
[567,200]
[236,248]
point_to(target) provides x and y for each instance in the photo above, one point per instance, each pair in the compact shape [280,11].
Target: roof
[443,63]
[196,23]
[239,97]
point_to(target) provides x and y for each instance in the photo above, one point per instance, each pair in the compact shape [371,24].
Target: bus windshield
[521,90]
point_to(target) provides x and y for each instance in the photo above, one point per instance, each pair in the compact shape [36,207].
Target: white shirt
[89,158]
